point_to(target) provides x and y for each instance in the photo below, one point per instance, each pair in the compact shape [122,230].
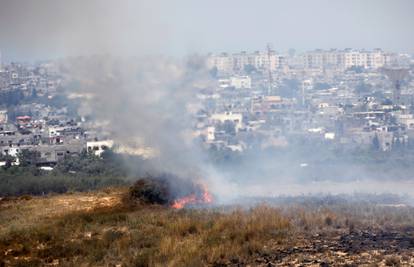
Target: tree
[34,93]
[290,88]
[356,69]
[213,72]
[8,160]
[249,68]
[362,87]
[397,144]
[28,157]
[228,127]
[11,98]
[376,143]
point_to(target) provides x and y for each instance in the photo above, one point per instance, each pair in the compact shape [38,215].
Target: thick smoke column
[146,103]
[150,102]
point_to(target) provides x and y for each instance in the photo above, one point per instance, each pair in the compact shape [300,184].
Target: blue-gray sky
[54,28]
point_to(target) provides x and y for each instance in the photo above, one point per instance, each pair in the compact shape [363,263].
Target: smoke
[298,171]
[55,28]
[145,102]
[148,100]
[114,55]
[150,103]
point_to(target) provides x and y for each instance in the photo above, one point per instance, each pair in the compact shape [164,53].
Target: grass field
[98,229]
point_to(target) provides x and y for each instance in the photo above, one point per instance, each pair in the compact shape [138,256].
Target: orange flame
[206,197]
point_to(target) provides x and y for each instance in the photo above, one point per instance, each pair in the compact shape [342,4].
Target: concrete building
[241,82]
[226,63]
[210,131]
[236,118]
[3,116]
[98,147]
[344,59]
[223,62]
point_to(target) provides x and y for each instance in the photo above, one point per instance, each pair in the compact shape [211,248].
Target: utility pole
[269,69]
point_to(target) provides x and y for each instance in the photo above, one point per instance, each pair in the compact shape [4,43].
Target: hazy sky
[52,28]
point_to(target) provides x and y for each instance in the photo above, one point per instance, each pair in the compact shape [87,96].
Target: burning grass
[167,190]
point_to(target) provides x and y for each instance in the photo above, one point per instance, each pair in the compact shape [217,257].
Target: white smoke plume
[146,102]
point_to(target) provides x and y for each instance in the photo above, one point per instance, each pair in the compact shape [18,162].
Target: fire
[193,198]
[207,197]
[181,202]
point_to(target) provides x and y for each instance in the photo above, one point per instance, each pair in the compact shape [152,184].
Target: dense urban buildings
[264,99]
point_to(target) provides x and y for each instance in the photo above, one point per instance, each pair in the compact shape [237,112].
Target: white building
[237,62]
[241,82]
[3,116]
[224,83]
[98,147]
[343,59]
[266,61]
[241,59]
[367,59]
[406,119]
[210,133]
[236,118]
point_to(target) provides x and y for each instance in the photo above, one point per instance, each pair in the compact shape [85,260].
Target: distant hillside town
[343,98]
[350,98]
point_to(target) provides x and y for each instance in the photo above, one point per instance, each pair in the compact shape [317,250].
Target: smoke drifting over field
[148,101]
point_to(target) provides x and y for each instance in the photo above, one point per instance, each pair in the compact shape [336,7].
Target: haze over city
[35,30]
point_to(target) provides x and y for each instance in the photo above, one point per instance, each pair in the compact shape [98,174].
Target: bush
[25,183]
[162,189]
[392,261]
[149,190]
[75,173]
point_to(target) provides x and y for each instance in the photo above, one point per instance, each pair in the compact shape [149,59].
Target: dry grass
[146,236]
[96,229]
[26,211]
[350,217]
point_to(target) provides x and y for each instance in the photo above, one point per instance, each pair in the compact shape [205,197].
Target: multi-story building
[344,59]
[241,60]
[237,62]
[223,62]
